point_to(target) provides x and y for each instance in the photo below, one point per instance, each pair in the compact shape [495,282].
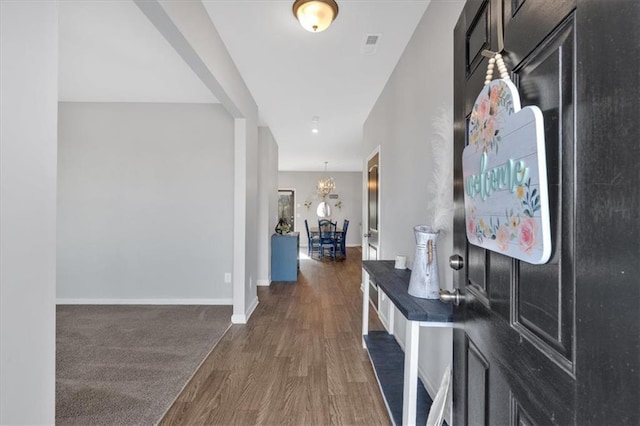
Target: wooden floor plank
[299,360]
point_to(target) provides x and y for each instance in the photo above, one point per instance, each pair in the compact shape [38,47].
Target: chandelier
[327,185]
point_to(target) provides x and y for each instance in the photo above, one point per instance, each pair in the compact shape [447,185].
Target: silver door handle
[454,296]
[367,235]
[456,262]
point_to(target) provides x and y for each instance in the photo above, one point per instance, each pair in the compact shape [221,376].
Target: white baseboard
[252,308]
[263,283]
[63,301]
[238,319]
[243,318]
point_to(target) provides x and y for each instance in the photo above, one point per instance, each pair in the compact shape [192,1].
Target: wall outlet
[227,277]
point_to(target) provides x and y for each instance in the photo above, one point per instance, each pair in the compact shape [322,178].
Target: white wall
[144,203]
[267,201]
[349,190]
[28,117]
[401,124]
[188,28]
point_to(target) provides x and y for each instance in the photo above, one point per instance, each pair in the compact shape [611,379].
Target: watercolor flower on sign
[503,236]
[488,116]
[527,234]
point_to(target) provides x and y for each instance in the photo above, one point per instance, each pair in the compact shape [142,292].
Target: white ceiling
[109,51]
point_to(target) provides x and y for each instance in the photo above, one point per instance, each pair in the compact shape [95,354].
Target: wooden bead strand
[489,75]
[502,69]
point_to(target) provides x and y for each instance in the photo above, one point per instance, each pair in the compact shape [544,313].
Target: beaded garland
[504,74]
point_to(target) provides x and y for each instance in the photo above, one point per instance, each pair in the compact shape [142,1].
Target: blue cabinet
[285,261]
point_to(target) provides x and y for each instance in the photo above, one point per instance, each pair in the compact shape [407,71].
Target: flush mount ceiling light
[314,124]
[315,15]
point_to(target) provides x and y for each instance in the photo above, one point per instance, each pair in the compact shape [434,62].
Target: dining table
[316,231]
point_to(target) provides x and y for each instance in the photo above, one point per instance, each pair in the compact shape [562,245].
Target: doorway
[373,167]
[286,207]
[371,247]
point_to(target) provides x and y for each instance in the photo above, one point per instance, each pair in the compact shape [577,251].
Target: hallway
[298,361]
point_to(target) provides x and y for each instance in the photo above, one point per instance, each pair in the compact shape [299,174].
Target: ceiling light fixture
[327,185]
[315,15]
[314,124]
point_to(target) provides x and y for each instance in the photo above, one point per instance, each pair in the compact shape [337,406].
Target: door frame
[365,204]
[373,289]
[295,205]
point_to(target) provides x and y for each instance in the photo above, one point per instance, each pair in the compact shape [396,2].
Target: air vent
[370,44]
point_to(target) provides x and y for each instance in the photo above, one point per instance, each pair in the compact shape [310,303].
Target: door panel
[543,294]
[527,25]
[477,391]
[477,38]
[478,276]
[499,273]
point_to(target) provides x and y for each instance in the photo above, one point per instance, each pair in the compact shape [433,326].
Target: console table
[382,347]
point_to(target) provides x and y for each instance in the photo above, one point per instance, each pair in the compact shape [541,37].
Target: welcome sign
[505,176]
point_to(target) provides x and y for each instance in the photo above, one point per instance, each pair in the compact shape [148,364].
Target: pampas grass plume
[442,174]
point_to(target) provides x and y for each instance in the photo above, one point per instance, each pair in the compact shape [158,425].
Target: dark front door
[556,343]
[372,207]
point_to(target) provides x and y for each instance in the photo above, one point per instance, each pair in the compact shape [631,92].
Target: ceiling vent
[370,44]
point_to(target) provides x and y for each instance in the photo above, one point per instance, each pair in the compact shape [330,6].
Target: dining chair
[327,237]
[342,238]
[313,241]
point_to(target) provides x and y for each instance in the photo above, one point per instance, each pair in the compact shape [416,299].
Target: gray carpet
[124,365]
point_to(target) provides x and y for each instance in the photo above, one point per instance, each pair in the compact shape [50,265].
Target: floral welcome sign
[505,176]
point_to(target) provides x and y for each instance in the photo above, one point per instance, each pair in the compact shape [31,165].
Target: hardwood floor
[299,360]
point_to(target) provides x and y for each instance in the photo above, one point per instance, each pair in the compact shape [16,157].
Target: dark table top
[288,234]
[395,284]
[316,230]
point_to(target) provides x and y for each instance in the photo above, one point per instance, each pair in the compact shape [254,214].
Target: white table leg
[365,306]
[410,393]
[391,316]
